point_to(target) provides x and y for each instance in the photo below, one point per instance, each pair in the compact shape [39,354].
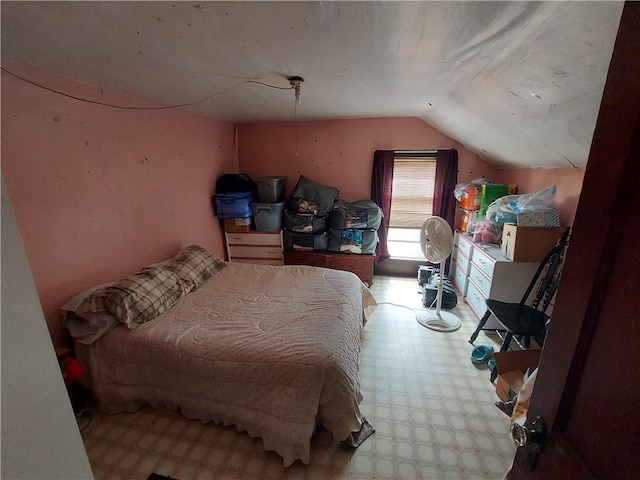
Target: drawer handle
[481,260]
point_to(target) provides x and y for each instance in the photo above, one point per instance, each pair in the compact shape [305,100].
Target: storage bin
[233,204]
[270,189]
[362,242]
[304,222]
[268,216]
[305,241]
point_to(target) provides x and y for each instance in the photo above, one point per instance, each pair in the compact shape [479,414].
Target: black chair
[528,319]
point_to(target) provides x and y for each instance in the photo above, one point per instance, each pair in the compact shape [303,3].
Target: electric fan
[436,240]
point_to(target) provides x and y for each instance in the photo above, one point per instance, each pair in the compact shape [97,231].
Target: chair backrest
[545,281]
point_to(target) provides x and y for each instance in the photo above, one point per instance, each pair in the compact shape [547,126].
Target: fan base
[440,322]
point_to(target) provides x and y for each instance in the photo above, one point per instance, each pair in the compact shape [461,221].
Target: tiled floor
[433,411]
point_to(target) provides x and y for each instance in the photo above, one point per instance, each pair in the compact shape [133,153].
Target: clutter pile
[316,219]
[313,218]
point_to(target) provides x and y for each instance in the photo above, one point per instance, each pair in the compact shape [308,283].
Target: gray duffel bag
[363,214]
[361,242]
[313,197]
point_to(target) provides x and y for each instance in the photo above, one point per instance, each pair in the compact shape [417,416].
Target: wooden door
[588,387]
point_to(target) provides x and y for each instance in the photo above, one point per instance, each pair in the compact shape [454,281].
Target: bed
[273,350]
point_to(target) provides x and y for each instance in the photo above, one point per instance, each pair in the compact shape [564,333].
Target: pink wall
[567,180]
[340,152]
[99,192]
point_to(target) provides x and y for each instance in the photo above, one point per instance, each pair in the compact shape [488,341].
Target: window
[411,203]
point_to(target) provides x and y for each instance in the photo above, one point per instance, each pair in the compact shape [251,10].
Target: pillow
[84,324]
[194,265]
[140,297]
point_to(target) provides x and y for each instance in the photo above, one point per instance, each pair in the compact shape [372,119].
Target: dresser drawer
[480,280]
[463,262]
[459,277]
[236,252]
[476,300]
[483,261]
[464,244]
[254,238]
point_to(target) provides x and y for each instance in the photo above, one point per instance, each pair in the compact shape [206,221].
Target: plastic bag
[534,202]
[460,189]
[487,231]
[506,209]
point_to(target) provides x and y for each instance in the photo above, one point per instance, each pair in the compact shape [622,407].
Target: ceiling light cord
[124,107]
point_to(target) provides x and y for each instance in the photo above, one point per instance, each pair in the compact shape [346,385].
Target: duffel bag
[363,214]
[304,222]
[361,242]
[313,197]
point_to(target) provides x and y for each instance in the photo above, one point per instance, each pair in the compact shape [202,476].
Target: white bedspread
[268,349]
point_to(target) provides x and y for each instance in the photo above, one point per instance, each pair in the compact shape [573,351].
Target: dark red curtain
[444,203]
[381,187]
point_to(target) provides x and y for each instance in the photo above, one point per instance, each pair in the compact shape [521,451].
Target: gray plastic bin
[268,216]
[270,189]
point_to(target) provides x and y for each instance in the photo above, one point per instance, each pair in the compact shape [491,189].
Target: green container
[491,191]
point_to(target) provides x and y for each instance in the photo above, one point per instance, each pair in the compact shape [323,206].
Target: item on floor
[357,438]
[312,197]
[424,274]
[270,189]
[436,241]
[481,354]
[506,407]
[363,215]
[430,292]
[156,476]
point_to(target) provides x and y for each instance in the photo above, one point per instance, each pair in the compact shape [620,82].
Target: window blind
[412,194]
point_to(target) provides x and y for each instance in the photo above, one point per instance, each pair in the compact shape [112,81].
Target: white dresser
[479,271]
[255,247]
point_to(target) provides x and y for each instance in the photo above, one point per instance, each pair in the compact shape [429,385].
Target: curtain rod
[415,152]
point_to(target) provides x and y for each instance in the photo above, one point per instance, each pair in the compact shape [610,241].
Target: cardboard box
[511,367]
[237,225]
[528,244]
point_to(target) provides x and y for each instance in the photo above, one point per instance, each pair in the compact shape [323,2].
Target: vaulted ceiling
[518,83]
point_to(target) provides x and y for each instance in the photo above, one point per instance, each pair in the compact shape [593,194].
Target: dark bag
[313,197]
[235,182]
[305,241]
[305,223]
[363,214]
[430,292]
[361,242]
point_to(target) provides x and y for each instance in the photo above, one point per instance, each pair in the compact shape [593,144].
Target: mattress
[270,349]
